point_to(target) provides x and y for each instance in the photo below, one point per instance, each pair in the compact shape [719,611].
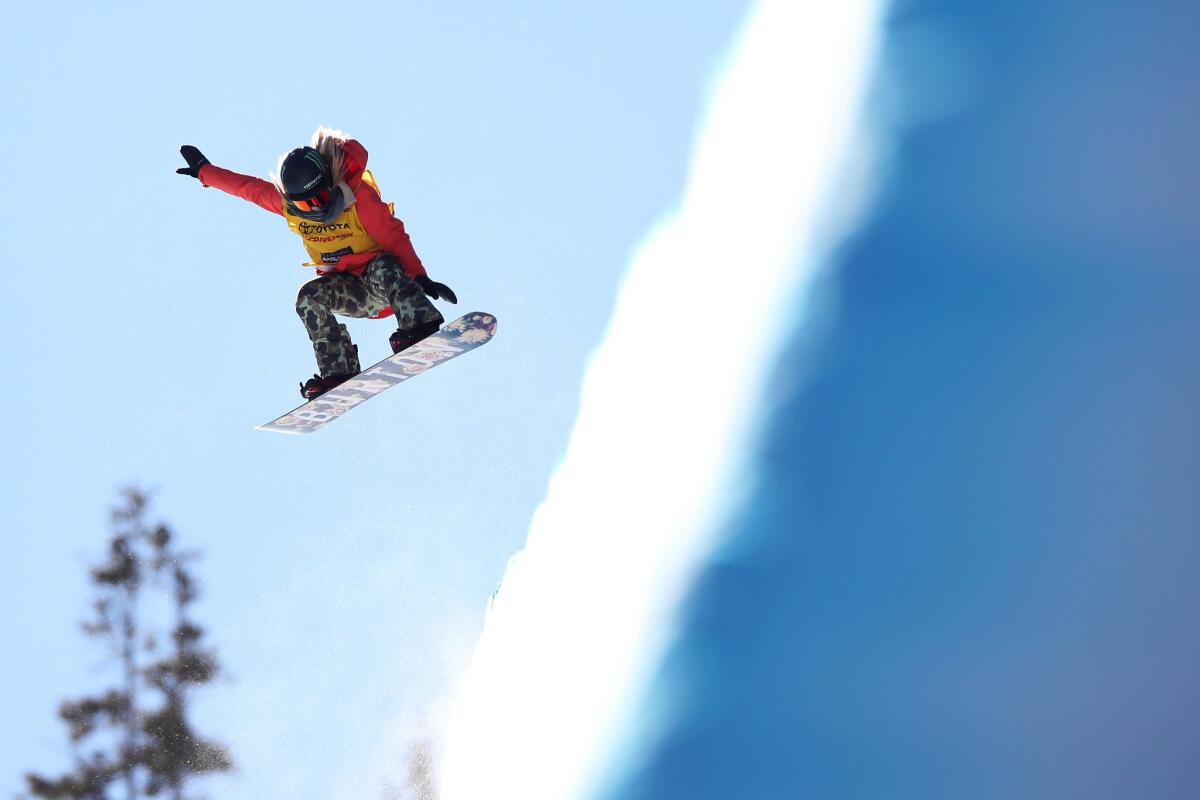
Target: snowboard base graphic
[463,334]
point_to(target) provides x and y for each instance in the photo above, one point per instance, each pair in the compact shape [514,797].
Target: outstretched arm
[262,193]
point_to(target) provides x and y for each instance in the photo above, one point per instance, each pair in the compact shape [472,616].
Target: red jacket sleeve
[386,229]
[354,161]
[256,190]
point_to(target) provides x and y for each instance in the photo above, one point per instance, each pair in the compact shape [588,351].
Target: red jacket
[374,214]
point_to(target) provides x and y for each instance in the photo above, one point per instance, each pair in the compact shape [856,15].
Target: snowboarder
[365,262]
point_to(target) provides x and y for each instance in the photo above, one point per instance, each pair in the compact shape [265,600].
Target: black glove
[438,291]
[195,160]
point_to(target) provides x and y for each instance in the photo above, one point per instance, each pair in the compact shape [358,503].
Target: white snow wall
[668,404]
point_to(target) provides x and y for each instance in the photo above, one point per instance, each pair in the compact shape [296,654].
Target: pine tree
[420,770]
[142,744]
[419,784]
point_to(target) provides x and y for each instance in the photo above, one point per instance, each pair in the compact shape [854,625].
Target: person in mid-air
[366,265]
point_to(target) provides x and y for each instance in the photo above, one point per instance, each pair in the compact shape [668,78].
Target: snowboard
[460,336]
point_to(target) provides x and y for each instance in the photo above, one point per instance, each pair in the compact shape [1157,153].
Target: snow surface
[967,566]
[668,403]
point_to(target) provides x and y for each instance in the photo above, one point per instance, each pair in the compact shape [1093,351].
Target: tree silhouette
[140,743]
[420,779]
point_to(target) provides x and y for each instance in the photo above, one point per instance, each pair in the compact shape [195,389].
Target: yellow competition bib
[327,242]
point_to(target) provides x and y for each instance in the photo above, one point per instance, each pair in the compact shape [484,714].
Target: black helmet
[304,175]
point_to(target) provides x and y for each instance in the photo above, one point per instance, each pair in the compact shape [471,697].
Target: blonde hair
[327,142]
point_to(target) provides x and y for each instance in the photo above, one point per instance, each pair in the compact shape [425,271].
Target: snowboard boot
[316,386]
[346,362]
[402,340]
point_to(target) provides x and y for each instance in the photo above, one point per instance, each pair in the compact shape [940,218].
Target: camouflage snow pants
[381,286]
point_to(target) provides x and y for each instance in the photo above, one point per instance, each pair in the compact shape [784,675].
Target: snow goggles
[316,202]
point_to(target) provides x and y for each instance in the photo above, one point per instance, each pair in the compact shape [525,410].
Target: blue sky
[958,557]
[528,149]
